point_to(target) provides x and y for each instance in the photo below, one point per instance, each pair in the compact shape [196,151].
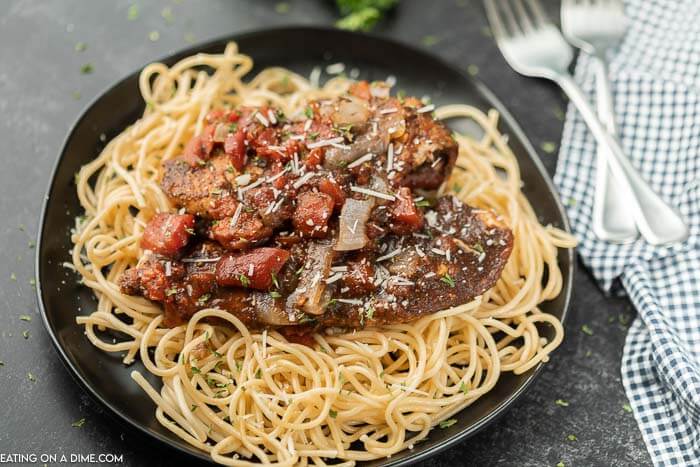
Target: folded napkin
[656,84]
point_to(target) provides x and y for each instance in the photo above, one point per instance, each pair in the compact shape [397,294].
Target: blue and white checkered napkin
[656,83]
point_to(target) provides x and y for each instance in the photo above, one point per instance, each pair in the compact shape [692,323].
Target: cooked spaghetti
[251,395]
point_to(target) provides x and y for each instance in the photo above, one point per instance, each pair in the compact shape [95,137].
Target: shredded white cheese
[262,119]
[302,180]
[201,260]
[236,215]
[389,255]
[390,158]
[361,160]
[376,194]
[325,142]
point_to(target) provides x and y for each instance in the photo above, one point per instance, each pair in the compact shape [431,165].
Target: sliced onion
[220,133]
[363,144]
[269,312]
[350,112]
[353,218]
[379,184]
[379,89]
[308,295]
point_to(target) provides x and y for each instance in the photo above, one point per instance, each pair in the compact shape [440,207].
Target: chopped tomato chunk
[199,147]
[234,147]
[194,152]
[360,89]
[406,215]
[314,158]
[247,230]
[332,189]
[312,214]
[167,234]
[254,269]
[215,115]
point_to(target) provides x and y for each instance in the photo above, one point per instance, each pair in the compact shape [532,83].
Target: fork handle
[612,220]
[658,222]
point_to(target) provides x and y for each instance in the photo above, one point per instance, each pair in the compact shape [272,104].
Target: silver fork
[534,47]
[596,26]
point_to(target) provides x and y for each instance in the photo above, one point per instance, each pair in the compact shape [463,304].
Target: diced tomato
[194,152]
[199,147]
[314,157]
[262,142]
[248,230]
[167,234]
[360,89]
[215,115]
[292,146]
[208,139]
[234,147]
[312,213]
[332,189]
[405,214]
[233,116]
[254,269]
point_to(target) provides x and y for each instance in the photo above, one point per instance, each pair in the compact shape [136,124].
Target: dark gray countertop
[39,81]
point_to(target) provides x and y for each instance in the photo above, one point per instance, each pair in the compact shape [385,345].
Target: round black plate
[298,48]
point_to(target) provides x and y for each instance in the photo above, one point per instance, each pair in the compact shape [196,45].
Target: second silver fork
[596,26]
[534,47]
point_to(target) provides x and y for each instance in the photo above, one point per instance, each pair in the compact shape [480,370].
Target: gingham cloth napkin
[656,83]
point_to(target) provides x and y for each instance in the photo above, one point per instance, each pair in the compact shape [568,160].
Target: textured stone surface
[39,77]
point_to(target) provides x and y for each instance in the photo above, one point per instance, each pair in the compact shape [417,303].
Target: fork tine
[540,16]
[509,17]
[497,28]
[497,20]
[525,22]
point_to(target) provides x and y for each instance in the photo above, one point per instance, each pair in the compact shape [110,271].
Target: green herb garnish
[245,282]
[332,413]
[447,279]
[201,301]
[133,12]
[561,403]
[586,329]
[362,15]
[447,423]
[430,40]
[548,147]
[78,423]
[86,69]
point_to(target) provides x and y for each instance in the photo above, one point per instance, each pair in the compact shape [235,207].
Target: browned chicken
[313,221]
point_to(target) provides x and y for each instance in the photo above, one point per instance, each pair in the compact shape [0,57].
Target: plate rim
[501,408]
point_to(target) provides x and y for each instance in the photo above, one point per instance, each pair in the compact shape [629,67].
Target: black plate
[298,48]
